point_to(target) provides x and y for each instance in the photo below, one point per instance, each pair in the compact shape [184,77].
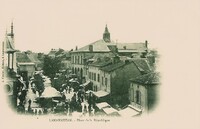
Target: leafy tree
[51,66]
[39,83]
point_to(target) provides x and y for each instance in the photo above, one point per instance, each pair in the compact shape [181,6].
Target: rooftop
[113,66]
[22,57]
[101,63]
[131,47]
[9,44]
[142,64]
[147,79]
[97,46]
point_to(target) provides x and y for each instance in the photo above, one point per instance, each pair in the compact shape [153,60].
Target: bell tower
[106,35]
[11,34]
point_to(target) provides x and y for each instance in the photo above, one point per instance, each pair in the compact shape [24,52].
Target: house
[52,53]
[143,91]
[34,58]
[80,57]
[132,49]
[114,79]
[66,60]
[26,67]
[94,71]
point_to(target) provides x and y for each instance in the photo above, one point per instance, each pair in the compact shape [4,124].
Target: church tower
[11,34]
[106,35]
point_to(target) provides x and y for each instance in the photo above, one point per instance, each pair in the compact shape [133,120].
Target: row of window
[77,59]
[136,96]
[96,77]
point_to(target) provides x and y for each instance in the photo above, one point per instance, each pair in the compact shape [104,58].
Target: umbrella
[50,92]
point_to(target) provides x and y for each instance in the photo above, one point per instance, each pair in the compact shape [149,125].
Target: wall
[104,86]
[144,95]
[149,95]
[120,78]
[29,68]
[153,91]
[92,75]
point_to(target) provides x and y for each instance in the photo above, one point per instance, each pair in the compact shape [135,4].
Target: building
[104,47]
[114,78]
[133,49]
[65,60]
[143,91]
[26,67]
[94,72]
[52,53]
[9,71]
[34,58]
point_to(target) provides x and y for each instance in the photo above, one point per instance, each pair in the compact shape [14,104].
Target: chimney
[146,43]
[124,47]
[90,48]
[115,59]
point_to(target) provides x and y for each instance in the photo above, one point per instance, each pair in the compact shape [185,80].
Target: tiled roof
[113,66]
[9,44]
[142,64]
[33,57]
[22,57]
[131,47]
[147,79]
[98,46]
[101,63]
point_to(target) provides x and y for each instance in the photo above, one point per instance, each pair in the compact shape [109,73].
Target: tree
[38,80]
[51,66]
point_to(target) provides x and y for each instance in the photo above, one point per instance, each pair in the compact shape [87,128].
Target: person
[45,111]
[19,84]
[21,108]
[30,110]
[27,84]
[63,97]
[66,106]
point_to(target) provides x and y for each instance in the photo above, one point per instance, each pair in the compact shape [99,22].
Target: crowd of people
[71,100]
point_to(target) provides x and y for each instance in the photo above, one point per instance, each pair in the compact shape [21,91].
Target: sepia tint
[103,78]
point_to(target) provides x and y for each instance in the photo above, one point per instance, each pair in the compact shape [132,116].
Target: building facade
[143,91]
[26,67]
[9,71]
[104,47]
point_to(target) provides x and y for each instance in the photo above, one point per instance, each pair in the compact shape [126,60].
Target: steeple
[11,34]
[106,35]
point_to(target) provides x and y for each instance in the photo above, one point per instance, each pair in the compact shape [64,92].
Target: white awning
[100,93]
[102,105]
[73,80]
[50,92]
[110,111]
[128,112]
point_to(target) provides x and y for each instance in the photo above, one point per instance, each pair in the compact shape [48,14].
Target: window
[94,88]
[106,81]
[98,78]
[95,76]
[89,75]
[102,81]
[138,97]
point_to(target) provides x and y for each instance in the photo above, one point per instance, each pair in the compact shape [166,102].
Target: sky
[171,26]
[40,25]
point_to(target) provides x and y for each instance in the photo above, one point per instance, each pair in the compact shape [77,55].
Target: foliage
[38,80]
[51,66]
